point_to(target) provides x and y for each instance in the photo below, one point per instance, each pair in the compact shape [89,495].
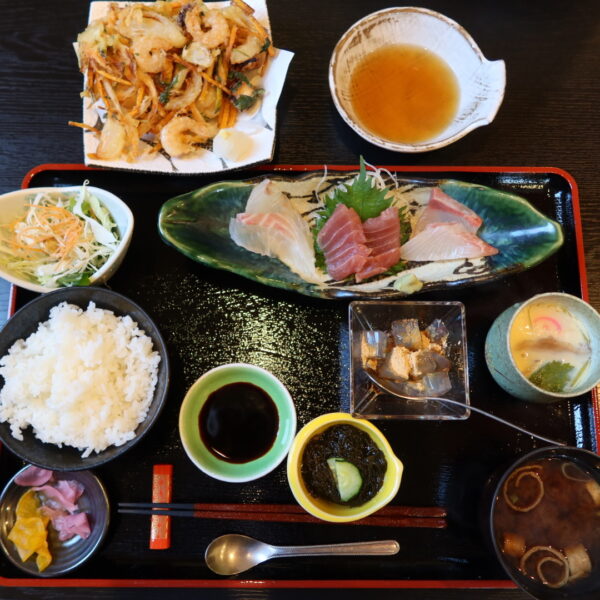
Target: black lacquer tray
[210,317]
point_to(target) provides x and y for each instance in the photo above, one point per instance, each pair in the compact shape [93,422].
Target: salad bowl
[12,207]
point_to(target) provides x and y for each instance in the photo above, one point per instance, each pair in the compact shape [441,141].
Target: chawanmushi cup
[501,362]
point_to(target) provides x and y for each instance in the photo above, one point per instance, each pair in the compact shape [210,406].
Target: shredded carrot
[196,113]
[232,116]
[241,4]
[99,92]
[216,83]
[224,115]
[232,35]
[164,121]
[84,126]
[112,77]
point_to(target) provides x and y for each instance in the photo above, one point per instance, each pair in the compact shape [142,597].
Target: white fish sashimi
[271,227]
[445,241]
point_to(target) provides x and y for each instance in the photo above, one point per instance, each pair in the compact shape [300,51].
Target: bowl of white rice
[84,374]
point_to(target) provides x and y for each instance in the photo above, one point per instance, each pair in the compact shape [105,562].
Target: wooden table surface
[549,117]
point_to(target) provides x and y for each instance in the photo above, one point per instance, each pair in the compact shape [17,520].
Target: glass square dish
[369,401]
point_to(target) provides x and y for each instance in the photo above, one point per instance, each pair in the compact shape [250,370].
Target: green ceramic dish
[189,423]
[197,224]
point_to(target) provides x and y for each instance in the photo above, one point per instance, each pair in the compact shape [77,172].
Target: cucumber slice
[347,478]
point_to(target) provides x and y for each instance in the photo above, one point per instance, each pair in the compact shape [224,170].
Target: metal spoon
[233,553]
[392,388]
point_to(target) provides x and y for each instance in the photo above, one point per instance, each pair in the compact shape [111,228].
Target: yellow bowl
[329,511]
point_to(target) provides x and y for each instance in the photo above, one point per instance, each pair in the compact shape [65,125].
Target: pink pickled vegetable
[33,476]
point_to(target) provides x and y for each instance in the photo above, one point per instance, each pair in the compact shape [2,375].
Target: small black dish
[582,588]
[25,321]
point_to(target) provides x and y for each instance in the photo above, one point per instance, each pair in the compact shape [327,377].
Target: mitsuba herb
[245,95]
[553,376]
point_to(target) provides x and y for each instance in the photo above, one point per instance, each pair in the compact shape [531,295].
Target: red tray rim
[326,583]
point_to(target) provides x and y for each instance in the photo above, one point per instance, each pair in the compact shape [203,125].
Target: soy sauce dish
[543,519]
[237,422]
[342,469]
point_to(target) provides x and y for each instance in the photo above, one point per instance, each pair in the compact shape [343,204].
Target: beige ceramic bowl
[481,81]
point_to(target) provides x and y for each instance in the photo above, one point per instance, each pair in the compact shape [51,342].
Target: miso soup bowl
[329,511]
[587,588]
[481,82]
[501,363]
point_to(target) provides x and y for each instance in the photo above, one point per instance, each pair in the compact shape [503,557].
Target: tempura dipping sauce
[546,522]
[239,422]
[404,93]
[549,345]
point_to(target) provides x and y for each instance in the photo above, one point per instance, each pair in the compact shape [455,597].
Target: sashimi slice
[382,235]
[271,227]
[343,242]
[445,241]
[445,209]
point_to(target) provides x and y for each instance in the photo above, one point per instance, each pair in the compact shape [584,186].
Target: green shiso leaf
[361,195]
[553,376]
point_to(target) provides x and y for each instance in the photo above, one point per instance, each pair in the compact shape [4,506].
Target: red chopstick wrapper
[162,488]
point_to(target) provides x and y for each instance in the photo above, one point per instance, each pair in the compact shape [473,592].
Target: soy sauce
[239,422]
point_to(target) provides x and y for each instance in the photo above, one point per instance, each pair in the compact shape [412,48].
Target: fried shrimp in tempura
[177,66]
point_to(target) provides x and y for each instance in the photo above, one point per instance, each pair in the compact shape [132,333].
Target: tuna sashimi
[343,242]
[271,227]
[445,241]
[444,209]
[382,235]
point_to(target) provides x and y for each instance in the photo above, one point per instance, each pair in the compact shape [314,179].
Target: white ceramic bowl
[11,207]
[481,81]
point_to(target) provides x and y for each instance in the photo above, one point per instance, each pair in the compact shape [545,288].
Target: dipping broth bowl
[501,362]
[223,418]
[480,82]
[331,511]
[549,497]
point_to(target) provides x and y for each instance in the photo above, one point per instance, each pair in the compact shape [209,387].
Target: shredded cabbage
[62,239]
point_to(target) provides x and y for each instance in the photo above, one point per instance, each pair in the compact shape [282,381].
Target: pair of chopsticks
[389,516]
